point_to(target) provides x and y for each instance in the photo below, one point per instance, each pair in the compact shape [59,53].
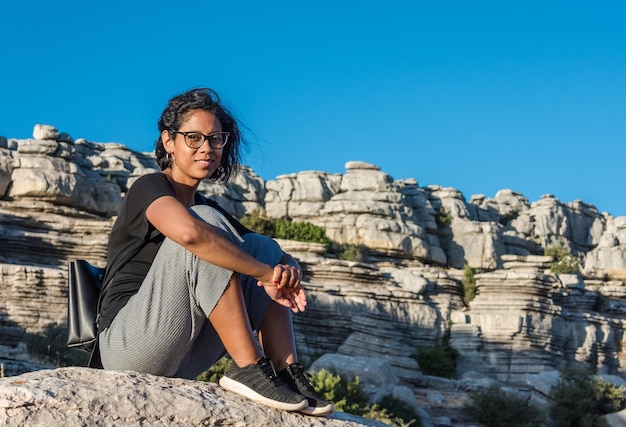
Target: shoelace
[269,372]
[302,376]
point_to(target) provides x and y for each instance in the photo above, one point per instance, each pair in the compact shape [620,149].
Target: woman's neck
[184,193]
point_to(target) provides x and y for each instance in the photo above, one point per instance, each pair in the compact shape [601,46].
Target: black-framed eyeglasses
[196,140]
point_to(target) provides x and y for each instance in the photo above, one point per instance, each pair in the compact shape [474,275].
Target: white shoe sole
[318,411]
[236,387]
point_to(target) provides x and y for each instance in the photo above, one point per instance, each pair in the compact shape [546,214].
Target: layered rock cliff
[59,198]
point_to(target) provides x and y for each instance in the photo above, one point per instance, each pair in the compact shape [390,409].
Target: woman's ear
[168,142]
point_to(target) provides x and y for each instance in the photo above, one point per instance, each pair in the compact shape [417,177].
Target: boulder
[83,396]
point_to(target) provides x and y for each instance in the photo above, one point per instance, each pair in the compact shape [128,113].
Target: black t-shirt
[134,243]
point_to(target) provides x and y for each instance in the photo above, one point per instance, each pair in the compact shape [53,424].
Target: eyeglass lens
[196,139]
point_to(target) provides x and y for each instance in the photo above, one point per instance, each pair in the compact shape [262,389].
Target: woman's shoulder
[151,177]
[151,180]
[149,186]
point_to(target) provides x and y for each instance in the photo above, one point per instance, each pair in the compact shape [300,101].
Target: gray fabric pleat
[163,329]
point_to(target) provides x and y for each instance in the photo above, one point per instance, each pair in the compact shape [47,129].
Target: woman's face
[189,165]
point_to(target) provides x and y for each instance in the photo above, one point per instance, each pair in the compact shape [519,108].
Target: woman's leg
[277,337]
[163,329]
[271,320]
[259,381]
[230,321]
[256,302]
[276,330]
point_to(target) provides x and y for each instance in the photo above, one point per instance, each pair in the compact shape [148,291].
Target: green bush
[356,253]
[579,399]
[469,284]
[286,229]
[392,412]
[50,346]
[215,372]
[443,218]
[564,262]
[300,231]
[259,224]
[439,360]
[494,407]
[347,396]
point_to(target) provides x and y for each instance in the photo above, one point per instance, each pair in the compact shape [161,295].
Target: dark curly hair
[177,111]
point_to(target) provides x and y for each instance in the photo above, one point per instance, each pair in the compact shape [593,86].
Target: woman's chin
[204,172]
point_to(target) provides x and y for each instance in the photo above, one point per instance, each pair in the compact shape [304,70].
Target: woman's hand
[285,287]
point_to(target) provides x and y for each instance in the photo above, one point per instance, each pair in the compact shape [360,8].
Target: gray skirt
[164,328]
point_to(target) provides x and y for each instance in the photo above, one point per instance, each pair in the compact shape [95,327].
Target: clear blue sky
[475,95]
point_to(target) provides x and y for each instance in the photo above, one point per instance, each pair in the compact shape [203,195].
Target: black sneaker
[298,379]
[259,382]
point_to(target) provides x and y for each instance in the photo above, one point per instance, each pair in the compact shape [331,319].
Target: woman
[186,282]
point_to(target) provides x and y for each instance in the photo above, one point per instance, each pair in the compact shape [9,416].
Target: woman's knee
[214,217]
[263,248]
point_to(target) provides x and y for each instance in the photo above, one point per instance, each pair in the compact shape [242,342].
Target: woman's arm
[205,241]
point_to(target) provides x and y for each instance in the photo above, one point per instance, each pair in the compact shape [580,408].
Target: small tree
[579,399]
[349,252]
[564,262]
[259,224]
[443,218]
[347,396]
[493,407]
[469,284]
[439,360]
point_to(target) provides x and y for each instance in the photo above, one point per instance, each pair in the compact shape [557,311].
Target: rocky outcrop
[365,206]
[59,198]
[82,396]
[398,219]
[526,320]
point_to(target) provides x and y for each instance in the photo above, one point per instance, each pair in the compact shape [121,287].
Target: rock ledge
[83,396]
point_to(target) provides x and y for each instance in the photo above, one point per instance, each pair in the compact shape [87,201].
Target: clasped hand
[285,287]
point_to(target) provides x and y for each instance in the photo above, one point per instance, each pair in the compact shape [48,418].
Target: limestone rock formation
[59,198]
[82,396]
